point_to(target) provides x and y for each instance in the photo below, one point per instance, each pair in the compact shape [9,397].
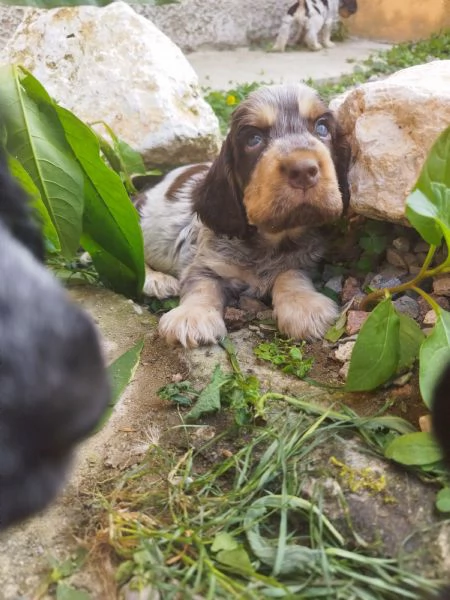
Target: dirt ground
[29,549]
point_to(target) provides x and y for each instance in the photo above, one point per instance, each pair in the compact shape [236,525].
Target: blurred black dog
[53,384]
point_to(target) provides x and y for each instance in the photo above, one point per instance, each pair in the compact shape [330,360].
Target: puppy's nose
[302,173]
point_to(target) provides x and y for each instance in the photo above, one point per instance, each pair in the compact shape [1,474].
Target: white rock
[344,351]
[114,65]
[392,125]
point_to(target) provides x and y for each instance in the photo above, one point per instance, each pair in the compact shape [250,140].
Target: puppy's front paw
[160,285]
[192,327]
[305,317]
[328,44]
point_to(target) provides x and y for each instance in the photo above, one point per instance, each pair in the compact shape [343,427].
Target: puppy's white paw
[160,285]
[315,46]
[328,44]
[307,316]
[192,326]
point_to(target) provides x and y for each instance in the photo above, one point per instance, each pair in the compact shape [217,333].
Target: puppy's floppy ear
[218,199]
[341,159]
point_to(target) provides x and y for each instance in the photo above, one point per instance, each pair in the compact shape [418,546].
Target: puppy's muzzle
[300,173]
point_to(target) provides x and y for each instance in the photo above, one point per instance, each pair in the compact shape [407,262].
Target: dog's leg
[311,38]
[199,318]
[160,285]
[283,34]
[301,311]
[325,34]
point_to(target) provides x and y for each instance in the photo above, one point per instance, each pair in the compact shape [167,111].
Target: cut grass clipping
[244,528]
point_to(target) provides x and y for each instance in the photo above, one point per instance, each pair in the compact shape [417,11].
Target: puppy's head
[283,166]
[347,8]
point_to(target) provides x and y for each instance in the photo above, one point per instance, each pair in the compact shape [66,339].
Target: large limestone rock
[113,65]
[392,125]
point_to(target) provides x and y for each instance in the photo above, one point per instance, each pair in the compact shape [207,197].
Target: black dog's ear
[341,159]
[218,199]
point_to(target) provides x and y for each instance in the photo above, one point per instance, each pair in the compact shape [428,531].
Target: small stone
[441,285]
[401,244]
[407,306]
[235,318]
[343,371]
[351,289]
[395,257]
[383,280]
[411,259]
[430,318]
[335,283]
[425,423]
[344,352]
[355,320]
[265,315]
[421,247]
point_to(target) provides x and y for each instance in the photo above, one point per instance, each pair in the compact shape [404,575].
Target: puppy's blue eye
[254,140]
[321,129]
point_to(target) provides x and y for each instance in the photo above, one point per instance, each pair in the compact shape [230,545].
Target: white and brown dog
[314,20]
[247,223]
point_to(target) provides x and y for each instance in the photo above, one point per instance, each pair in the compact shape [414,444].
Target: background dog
[314,20]
[53,384]
[247,224]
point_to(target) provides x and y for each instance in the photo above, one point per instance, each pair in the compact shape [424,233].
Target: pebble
[383,280]
[235,318]
[335,283]
[421,247]
[401,244]
[355,320]
[344,352]
[425,423]
[351,289]
[395,257]
[430,318]
[441,285]
[407,306]
[343,371]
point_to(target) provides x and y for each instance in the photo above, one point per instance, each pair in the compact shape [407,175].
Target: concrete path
[221,69]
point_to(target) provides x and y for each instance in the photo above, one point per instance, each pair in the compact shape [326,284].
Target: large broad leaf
[35,136]
[111,230]
[48,229]
[427,208]
[434,356]
[376,353]
[419,448]
[209,399]
[410,340]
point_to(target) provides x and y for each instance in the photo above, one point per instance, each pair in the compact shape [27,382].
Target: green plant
[243,527]
[223,103]
[79,199]
[389,342]
[286,355]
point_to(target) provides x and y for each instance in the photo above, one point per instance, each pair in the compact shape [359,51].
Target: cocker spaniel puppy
[53,385]
[247,223]
[314,20]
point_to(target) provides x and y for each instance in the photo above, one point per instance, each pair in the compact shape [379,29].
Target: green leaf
[434,355]
[121,372]
[410,339]
[237,560]
[209,399]
[111,231]
[36,138]
[443,500]
[427,207]
[48,229]
[376,352]
[224,541]
[336,331]
[67,592]
[419,448]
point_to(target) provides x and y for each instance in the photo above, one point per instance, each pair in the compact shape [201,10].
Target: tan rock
[111,64]
[392,125]
[355,320]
